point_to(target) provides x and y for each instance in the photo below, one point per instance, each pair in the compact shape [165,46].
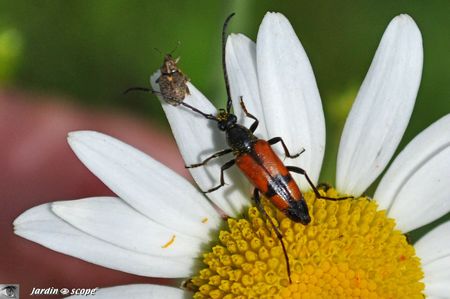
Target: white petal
[435,245]
[112,220]
[241,67]
[438,269]
[434,252]
[199,138]
[437,284]
[290,98]
[40,225]
[137,291]
[382,109]
[412,188]
[150,187]
[440,290]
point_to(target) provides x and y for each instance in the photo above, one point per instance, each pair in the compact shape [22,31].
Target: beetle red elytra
[259,163]
[172,82]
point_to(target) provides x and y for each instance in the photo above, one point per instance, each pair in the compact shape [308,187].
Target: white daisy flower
[160,224]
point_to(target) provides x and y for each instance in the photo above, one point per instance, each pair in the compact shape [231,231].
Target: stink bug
[259,163]
[172,82]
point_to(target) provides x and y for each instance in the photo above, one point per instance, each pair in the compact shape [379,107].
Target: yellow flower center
[349,250]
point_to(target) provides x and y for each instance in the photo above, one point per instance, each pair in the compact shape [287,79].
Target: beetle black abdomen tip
[298,212]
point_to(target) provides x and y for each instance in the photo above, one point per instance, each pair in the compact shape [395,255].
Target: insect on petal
[197,138]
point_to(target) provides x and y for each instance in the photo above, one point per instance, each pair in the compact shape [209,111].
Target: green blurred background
[90,51]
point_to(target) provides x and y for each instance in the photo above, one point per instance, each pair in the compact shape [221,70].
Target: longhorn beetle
[259,163]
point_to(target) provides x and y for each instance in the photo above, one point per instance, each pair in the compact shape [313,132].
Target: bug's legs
[256,121]
[264,213]
[222,181]
[218,154]
[141,89]
[266,217]
[286,151]
[303,172]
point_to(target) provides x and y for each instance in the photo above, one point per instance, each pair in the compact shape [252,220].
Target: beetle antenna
[157,50]
[176,47]
[206,115]
[225,73]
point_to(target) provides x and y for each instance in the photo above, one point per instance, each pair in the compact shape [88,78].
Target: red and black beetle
[259,163]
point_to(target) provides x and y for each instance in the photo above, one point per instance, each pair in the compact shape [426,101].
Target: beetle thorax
[240,139]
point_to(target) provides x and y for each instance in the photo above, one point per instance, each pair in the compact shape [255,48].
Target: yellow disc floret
[349,250]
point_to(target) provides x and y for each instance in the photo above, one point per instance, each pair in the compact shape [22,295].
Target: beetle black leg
[264,213]
[218,154]
[286,151]
[303,172]
[145,89]
[266,217]
[206,115]
[256,121]
[222,181]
